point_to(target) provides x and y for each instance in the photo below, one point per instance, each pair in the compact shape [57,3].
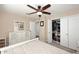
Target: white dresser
[16,37]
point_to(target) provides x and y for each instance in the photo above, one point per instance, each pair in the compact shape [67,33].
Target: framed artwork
[41,23]
[20,25]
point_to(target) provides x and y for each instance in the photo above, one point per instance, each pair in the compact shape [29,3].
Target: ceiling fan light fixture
[40,10]
[39,13]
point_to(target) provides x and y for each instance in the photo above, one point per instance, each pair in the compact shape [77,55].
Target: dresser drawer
[2,43]
[2,39]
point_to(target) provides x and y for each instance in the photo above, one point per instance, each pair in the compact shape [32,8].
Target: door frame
[49,31]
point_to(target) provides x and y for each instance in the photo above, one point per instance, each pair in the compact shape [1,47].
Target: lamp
[39,14]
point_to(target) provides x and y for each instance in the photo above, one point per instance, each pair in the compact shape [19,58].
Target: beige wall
[7,23]
[43,30]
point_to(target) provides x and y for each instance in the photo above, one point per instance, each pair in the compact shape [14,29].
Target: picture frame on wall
[41,23]
[20,26]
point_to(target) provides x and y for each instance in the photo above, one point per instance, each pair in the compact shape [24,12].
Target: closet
[70,31]
[56,30]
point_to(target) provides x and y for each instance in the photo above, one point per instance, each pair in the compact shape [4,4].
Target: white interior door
[74,31]
[64,32]
[37,28]
[32,30]
[49,28]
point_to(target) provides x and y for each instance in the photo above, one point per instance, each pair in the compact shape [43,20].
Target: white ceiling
[55,9]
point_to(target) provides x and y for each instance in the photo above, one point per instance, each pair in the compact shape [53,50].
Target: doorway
[56,31]
[34,29]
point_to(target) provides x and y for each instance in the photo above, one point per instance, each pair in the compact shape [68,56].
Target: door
[32,30]
[49,28]
[64,40]
[74,31]
[37,28]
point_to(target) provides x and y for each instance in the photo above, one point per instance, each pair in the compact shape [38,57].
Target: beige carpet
[36,47]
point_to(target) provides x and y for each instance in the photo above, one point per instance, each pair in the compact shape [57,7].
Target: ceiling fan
[40,10]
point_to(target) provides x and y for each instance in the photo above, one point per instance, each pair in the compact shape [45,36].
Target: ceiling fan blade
[45,7]
[31,13]
[31,7]
[46,12]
